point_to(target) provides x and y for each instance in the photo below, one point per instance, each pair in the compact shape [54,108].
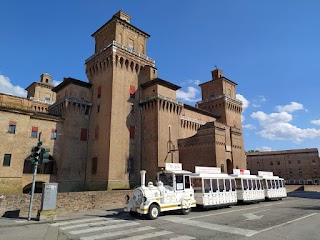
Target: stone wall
[66,202]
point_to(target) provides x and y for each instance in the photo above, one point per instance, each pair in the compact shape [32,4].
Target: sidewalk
[63,216]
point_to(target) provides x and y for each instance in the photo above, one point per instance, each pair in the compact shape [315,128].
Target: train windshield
[166,178]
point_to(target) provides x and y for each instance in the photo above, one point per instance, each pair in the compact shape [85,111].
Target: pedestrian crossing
[112,228]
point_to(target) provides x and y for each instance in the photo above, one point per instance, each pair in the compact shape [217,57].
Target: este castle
[101,133]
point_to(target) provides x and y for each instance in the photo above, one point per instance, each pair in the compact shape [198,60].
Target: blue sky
[270,48]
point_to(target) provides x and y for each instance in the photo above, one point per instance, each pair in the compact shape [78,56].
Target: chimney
[216,74]
[143,177]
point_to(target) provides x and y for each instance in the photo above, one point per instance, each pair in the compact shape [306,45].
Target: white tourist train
[177,189]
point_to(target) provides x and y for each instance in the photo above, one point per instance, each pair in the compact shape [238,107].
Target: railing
[192,120]
[156,96]
[114,44]
[40,100]
[220,96]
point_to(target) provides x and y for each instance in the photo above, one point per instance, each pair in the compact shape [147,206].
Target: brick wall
[66,202]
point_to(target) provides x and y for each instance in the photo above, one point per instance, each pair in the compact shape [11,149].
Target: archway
[229,166]
[37,189]
[47,168]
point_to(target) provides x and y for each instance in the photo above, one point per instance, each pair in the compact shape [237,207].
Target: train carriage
[249,187]
[274,186]
[213,188]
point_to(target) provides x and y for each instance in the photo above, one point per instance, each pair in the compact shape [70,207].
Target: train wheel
[186,211]
[154,212]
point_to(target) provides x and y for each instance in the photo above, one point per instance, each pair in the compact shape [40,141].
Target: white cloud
[195,82]
[245,102]
[276,126]
[264,149]
[7,87]
[248,126]
[191,95]
[316,122]
[55,82]
[257,102]
[293,106]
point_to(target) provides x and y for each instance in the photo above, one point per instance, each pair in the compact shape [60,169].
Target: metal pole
[32,191]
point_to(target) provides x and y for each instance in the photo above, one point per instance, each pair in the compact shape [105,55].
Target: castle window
[94,165]
[96,133]
[84,134]
[99,92]
[34,132]
[12,127]
[132,91]
[7,160]
[98,108]
[54,134]
[132,132]
[271,163]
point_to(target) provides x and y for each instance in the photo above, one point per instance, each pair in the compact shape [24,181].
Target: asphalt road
[296,218]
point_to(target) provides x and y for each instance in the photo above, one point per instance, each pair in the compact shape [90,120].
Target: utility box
[48,201]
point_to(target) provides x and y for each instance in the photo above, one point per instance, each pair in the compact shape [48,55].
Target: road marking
[241,209]
[251,216]
[211,226]
[182,238]
[76,221]
[282,224]
[220,213]
[118,233]
[90,224]
[148,235]
[96,229]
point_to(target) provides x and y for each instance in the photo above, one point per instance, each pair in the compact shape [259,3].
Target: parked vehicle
[213,188]
[181,190]
[274,187]
[173,191]
[249,187]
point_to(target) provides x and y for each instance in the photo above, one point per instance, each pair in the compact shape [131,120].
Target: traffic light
[44,157]
[35,153]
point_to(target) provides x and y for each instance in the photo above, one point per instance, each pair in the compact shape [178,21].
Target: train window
[197,185]
[233,185]
[214,185]
[221,185]
[255,184]
[259,184]
[269,184]
[245,184]
[276,183]
[264,186]
[283,184]
[238,183]
[186,181]
[166,179]
[227,182]
[250,184]
[179,182]
[206,185]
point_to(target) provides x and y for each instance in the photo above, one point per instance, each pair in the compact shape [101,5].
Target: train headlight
[144,199]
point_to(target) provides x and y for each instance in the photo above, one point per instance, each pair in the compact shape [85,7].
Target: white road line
[77,221]
[220,213]
[148,235]
[96,229]
[91,224]
[183,238]
[282,224]
[211,226]
[118,233]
